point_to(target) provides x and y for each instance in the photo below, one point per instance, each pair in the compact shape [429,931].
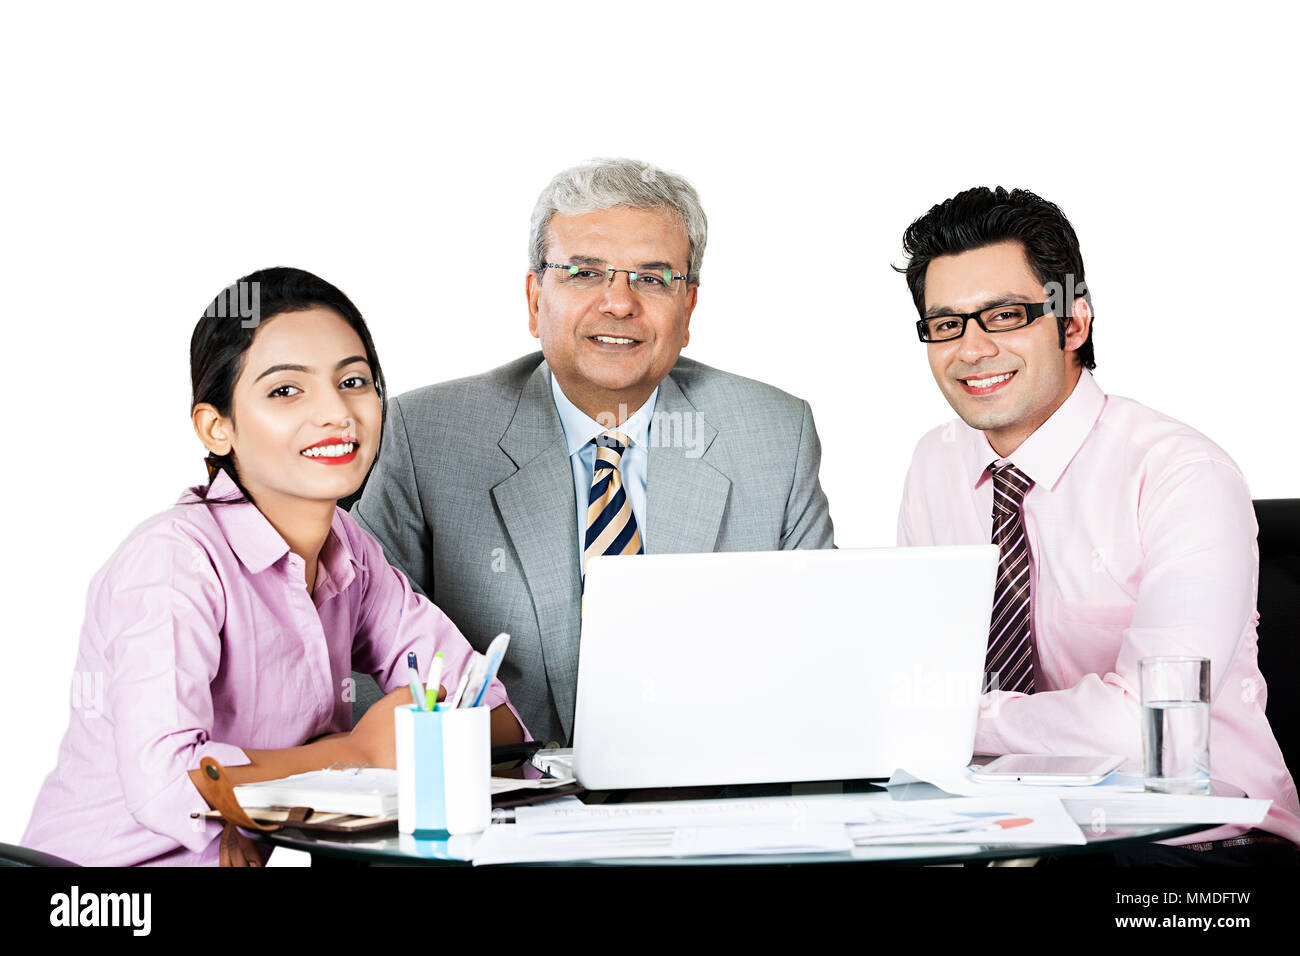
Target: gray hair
[611,183]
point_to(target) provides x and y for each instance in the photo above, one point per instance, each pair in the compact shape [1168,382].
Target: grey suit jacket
[473,498]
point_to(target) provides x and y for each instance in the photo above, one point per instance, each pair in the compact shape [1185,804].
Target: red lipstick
[334,459]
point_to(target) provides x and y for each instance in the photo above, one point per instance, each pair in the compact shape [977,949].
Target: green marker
[431,685]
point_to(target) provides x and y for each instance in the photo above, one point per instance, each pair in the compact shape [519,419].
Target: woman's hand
[237,849]
[373,736]
[371,741]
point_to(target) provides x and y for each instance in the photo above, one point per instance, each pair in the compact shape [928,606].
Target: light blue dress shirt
[579,430]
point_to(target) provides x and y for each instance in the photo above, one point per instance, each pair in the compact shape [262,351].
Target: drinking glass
[1176,724]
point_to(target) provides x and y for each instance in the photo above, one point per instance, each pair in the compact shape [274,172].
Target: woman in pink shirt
[229,625]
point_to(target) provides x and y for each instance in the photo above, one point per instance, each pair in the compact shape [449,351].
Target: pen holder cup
[443,770]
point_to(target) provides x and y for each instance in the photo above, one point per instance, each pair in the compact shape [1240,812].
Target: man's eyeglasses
[999,318]
[656,283]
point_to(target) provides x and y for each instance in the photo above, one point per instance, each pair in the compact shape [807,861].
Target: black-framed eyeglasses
[586,277]
[998,318]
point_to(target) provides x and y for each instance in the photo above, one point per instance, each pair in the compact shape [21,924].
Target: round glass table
[389,847]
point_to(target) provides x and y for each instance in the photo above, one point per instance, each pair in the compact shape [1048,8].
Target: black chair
[1279,620]
[11,855]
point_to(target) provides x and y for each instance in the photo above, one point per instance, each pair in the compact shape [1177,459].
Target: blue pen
[413,681]
[498,650]
[488,672]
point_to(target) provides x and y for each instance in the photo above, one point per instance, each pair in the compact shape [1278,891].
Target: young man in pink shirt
[1123,533]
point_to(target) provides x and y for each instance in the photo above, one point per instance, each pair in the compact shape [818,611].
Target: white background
[153,153]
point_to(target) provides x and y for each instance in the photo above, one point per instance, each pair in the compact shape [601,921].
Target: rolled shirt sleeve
[161,614]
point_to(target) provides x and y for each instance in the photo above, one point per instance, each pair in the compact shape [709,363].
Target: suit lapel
[685,495]
[536,504]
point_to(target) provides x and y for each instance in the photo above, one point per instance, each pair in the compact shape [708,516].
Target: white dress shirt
[579,430]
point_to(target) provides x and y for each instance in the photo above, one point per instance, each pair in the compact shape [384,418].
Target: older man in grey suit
[491,492]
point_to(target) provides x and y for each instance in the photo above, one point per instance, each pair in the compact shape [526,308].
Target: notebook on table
[362,792]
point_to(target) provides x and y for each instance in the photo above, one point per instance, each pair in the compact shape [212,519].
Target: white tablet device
[1058,769]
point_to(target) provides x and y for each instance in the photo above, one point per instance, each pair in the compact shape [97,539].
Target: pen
[475,672]
[413,681]
[454,702]
[497,650]
[487,678]
[435,675]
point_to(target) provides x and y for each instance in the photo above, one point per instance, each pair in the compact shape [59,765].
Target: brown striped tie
[1010,661]
[611,525]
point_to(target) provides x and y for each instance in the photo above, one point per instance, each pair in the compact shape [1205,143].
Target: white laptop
[761,667]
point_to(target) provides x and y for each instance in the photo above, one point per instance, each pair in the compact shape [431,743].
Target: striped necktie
[1010,661]
[611,526]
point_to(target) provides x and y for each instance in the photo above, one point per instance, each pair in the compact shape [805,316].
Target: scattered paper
[505,843]
[988,821]
[1119,798]
[823,823]
[828,808]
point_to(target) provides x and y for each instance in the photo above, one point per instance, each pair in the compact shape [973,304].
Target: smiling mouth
[986,384]
[332,452]
[622,340]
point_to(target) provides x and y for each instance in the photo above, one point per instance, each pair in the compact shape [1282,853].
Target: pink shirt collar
[1046,453]
[259,546]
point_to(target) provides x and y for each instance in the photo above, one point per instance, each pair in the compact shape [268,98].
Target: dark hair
[980,217]
[220,343]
